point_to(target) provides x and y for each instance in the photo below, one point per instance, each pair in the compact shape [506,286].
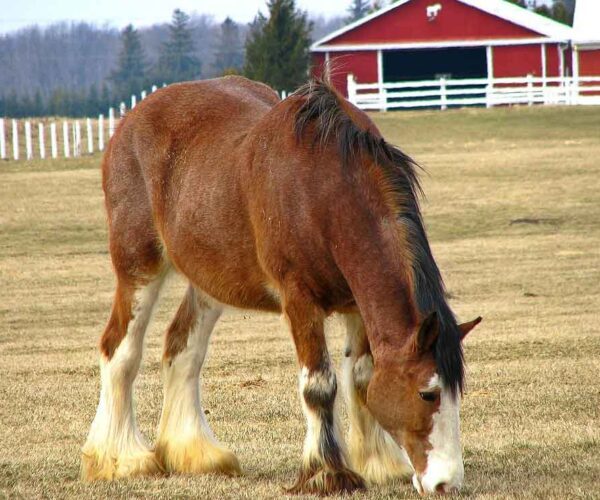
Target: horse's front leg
[325,467]
[373,452]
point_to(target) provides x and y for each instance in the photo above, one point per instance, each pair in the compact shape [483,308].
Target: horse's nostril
[441,488]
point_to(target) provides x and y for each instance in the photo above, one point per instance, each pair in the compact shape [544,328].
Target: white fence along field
[70,138]
[46,138]
[443,93]
[53,138]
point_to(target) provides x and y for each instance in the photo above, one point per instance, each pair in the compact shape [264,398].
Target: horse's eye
[430,397]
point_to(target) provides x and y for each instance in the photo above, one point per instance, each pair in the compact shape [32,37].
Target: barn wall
[456,21]
[363,65]
[517,60]
[552,60]
[317,64]
[589,62]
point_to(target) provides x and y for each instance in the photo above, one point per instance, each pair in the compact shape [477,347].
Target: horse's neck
[381,282]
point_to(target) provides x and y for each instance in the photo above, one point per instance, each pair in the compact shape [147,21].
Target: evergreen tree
[38,106]
[106,99]
[130,75]
[229,56]
[358,10]
[277,48]
[560,10]
[177,61]
[92,104]
[376,5]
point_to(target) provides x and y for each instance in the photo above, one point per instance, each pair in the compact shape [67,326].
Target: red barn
[429,39]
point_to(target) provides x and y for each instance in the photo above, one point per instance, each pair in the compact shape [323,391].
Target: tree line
[81,70]
[559,10]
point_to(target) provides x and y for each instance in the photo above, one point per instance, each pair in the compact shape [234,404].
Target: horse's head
[410,401]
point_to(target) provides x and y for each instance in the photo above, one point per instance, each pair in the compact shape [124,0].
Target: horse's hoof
[325,481]
[197,457]
[101,466]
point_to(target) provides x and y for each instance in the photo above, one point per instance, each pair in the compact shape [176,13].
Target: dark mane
[322,107]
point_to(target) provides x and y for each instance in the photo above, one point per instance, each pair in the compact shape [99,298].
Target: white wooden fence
[444,93]
[28,144]
[28,141]
[50,140]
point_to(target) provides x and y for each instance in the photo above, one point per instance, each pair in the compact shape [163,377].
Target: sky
[15,14]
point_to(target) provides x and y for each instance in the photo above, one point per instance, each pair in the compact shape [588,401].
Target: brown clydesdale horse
[296,206]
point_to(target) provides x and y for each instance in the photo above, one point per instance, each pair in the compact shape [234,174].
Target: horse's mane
[322,107]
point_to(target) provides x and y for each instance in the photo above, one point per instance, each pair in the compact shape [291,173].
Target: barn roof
[585,25]
[500,8]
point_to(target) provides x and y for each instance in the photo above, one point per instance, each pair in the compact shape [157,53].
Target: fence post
[2,140]
[489,93]
[530,89]
[443,96]
[382,95]
[53,141]
[15,139]
[111,122]
[154,88]
[90,137]
[133,101]
[351,88]
[41,141]
[143,95]
[100,132]
[76,138]
[66,147]
[122,109]
[28,145]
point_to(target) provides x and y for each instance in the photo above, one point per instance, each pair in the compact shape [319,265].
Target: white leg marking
[373,452]
[444,460]
[114,445]
[322,383]
[186,443]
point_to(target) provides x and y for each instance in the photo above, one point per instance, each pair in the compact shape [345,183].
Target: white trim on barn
[380,66]
[561,59]
[544,64]
[523,17]
[499,8]
[489,55]
[575,57]
[435,45]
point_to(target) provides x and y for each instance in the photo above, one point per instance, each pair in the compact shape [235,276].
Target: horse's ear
[428,333]
[468,326]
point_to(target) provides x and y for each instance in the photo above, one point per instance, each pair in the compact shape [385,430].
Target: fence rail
[54,138]
[48,138]
[71,140]
[444,93]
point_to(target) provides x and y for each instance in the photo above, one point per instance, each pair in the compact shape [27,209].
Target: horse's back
[171,181]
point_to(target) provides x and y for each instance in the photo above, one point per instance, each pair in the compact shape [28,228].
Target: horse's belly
[217,255]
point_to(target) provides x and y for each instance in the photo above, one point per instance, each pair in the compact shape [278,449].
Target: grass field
[513,213]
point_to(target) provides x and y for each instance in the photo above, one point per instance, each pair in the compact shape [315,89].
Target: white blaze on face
[445,470]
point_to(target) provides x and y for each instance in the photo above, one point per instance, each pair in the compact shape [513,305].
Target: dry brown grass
[530,417]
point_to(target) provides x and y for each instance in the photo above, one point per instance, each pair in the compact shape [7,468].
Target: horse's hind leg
[373,452]
[114,447]
[185,442]
[325,469]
